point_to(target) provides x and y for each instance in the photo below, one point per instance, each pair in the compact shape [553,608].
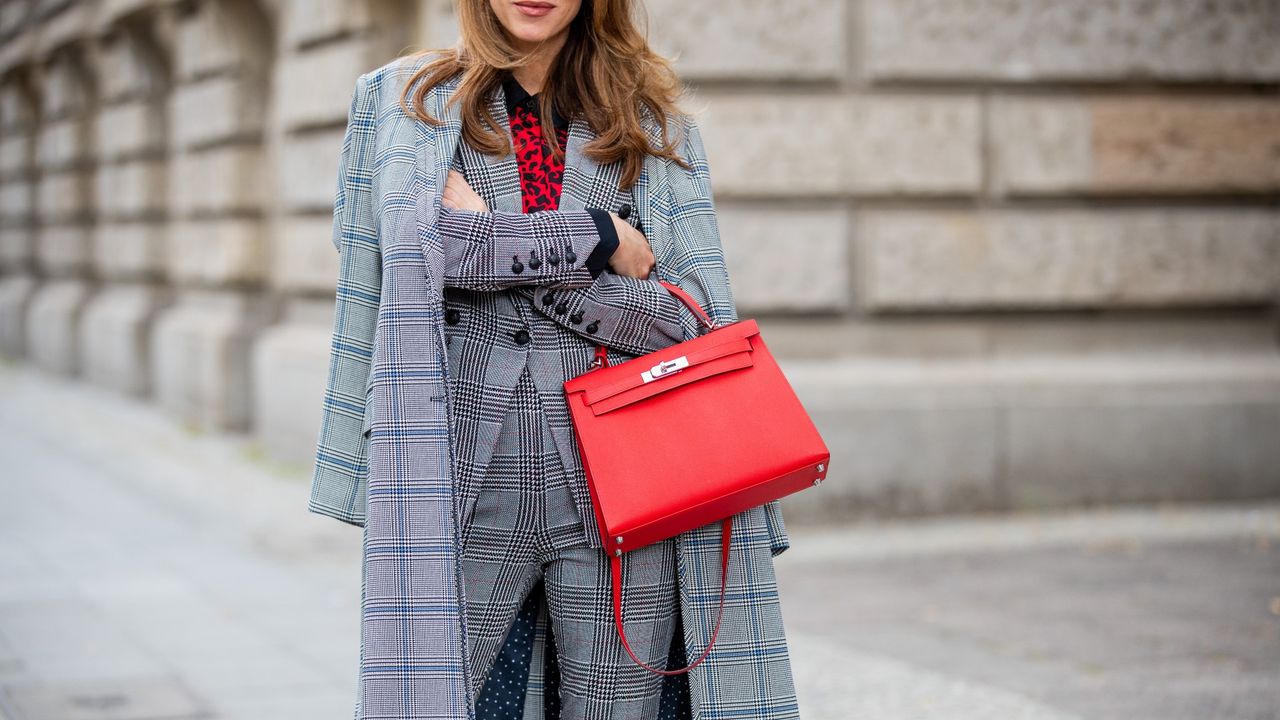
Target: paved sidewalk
[1116,615]
[148,572]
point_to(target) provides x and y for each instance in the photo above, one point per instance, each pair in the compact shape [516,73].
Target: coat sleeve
[341,462]
[493,251]
[638,315]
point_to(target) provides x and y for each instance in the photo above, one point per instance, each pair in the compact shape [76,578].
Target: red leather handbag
[688,435]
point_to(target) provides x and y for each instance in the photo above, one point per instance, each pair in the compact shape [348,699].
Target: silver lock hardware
[664,368]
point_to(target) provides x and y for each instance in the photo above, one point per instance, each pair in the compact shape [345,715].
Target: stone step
[920,438]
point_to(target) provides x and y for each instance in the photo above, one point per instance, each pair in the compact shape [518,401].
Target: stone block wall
[1012,253]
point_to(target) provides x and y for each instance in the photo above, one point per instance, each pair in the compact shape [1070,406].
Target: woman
[512,253]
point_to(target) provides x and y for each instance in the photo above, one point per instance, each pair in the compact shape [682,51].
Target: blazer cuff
[598,260]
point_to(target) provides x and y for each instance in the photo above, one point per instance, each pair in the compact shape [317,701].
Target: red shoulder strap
[615,563]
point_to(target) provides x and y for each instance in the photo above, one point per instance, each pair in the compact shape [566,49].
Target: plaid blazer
[388,443]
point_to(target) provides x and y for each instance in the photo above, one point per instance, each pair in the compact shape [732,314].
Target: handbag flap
[669,373]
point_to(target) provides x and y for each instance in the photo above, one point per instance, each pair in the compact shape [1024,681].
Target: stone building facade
[1012,253]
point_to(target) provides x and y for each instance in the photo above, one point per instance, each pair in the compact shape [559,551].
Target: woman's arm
[633,315]
[639,315]
[492,251]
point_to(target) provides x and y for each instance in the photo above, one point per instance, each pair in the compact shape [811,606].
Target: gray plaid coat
[388,443]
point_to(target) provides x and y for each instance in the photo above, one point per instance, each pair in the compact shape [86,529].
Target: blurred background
[1020,258]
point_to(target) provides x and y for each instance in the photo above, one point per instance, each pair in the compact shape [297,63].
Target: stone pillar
[327,44]
[17,217]
[216,253]
[63,203]
[131,192]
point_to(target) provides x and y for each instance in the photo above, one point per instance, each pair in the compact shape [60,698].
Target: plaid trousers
[524,528]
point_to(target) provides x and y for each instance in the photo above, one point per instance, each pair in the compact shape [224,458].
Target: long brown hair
[605,73]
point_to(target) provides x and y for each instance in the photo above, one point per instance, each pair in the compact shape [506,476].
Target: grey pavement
[147,571]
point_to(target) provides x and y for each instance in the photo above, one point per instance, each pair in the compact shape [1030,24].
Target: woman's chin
[530,36]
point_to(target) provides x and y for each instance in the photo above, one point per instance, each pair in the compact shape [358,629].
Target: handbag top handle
[690,303]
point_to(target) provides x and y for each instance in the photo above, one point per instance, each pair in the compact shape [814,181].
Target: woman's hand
[634,257]
[458,195]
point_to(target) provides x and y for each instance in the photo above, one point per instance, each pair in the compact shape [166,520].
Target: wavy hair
[605,73]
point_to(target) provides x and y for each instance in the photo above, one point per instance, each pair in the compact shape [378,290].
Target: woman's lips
[535,9]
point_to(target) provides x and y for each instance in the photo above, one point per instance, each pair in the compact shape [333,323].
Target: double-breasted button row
[521,336]
[452,316]
[563,307]
[535,262]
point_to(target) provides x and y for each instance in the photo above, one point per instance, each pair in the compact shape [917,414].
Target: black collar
[516,94]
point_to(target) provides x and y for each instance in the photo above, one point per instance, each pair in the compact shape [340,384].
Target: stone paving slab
[161,698]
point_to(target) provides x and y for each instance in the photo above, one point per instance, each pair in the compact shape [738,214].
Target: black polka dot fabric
[675,688]
[503,694]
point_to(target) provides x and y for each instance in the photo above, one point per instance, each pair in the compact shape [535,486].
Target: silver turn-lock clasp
[664,368]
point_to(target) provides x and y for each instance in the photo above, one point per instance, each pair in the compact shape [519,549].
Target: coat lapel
[496,179]
[436,148]
[413,651]
[587,183]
